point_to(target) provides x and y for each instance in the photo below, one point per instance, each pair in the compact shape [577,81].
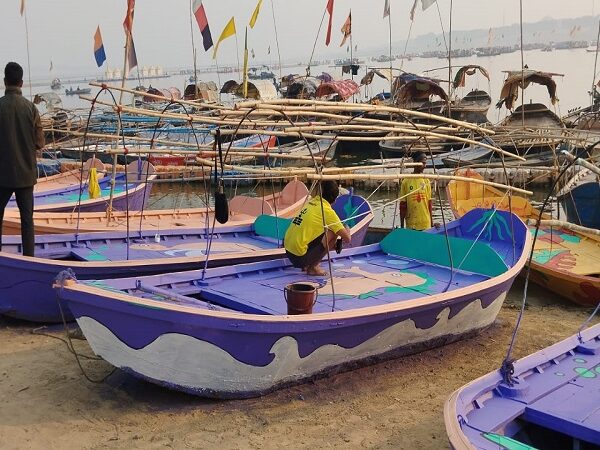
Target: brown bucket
[300,298]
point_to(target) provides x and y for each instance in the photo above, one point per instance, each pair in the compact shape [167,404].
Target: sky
[62,31]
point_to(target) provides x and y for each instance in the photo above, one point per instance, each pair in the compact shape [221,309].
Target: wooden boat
[78,91]
[130,192]
[550,402]
[564,261]
[580,198]
[226,333]
[531,126]
[26,292]
[72,177]
[243,210]
[474,106]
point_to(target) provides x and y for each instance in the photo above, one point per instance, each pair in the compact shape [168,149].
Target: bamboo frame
[561,224]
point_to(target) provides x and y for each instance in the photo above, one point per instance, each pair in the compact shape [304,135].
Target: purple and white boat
[226,333]
[551,401]
[131,191]
[26,286]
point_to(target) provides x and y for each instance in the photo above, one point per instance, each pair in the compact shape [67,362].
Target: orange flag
[347,28]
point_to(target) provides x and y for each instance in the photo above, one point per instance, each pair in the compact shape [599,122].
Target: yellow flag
[255,14]
[228,31]
[246,65]
[93,186]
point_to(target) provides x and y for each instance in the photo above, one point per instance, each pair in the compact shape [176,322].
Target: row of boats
[202,309]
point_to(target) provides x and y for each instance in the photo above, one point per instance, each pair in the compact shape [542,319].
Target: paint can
[300,298]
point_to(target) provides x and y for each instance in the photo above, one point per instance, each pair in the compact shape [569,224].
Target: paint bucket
[300,298]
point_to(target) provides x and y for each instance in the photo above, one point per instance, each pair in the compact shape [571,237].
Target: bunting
[228,31]
[330,11]
[255,14]
[99,53]
[200,15]
[346,28]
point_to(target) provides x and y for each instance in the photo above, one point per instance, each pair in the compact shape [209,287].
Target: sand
[45,402]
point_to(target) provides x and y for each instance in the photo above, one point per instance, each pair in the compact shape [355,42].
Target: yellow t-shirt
[308,225]
[418,192]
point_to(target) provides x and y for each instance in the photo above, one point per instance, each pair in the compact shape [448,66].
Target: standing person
[21,135]
[306,240]
[415,206]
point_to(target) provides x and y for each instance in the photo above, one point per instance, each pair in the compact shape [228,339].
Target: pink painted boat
[243,210]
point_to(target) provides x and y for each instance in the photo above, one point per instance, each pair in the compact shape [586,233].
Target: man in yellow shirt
[307,240]
[415,203]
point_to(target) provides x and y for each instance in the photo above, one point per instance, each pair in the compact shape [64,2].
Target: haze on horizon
[62,31]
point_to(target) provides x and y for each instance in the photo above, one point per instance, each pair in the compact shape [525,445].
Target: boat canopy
[204,91]
[51,99]
[463,72]
[304,88]
[170,93]
[343,88]
[514,81]
[257,89]
[408,87]
[382,73]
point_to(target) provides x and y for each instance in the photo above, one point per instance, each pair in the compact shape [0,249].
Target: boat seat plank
[229,300]
[573,410]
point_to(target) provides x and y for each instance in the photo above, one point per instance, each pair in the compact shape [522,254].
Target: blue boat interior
[554,405]
[405,265]
[72,193]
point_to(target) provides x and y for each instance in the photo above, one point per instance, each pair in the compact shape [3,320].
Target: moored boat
[580,198]
[550,401]
[227,333]
[565,261]
[117,254]
[243,210]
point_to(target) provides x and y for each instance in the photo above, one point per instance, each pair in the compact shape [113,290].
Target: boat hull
[582,205]
[201,355]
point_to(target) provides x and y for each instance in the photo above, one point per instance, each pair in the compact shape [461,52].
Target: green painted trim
[433,248]
[506,442]
[271,226]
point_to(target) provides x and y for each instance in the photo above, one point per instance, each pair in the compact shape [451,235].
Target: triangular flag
[255,14]
[386,9]
[22,10]
[347,28]
[51,66]
[329,9]
[131,55]
[228,31]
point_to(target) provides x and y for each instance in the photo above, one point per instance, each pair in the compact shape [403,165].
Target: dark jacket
[21,135]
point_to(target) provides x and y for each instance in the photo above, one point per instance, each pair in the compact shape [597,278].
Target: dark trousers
[24,198]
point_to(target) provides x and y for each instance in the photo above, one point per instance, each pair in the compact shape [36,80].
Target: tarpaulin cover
[408,87]
[514,81]
[343,88]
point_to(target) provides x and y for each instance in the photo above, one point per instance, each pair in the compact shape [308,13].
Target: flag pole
[237,53]
[276,40]
[28,57]
[450,63]
[391,66]
[194,54]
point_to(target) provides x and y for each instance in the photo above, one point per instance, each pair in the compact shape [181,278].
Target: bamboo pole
[562,224]
[340,106]
[383,177]
[581,162]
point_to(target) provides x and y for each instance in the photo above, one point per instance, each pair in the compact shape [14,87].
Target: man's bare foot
[315,271]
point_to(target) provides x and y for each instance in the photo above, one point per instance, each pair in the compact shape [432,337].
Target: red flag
[330,11]
[128,22]
[347,28]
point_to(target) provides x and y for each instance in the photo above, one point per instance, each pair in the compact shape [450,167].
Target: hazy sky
[62,30]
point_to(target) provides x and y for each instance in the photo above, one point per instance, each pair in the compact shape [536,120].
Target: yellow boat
[564,261]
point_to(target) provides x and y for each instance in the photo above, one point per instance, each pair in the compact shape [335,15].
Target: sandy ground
[45,402]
